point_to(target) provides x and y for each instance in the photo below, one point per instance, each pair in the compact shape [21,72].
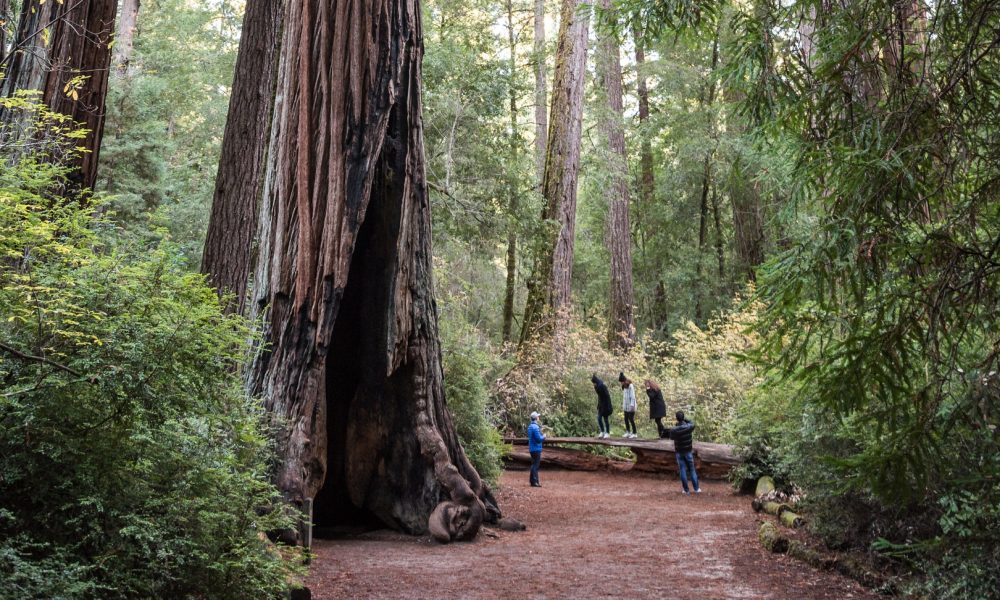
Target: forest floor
[590,535]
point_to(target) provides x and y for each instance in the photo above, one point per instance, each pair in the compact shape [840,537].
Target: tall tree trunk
[621,322]
[63,50]
[647,184]
[229,249]
[707,100]
[541,122]
[349,358]
[512,191]
[748,221]
[549,286]
[125,35]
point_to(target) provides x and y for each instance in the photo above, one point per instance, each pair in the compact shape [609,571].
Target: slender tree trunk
[719,248]
[229,245]
[541,122]
[621,322]
[349,358]
[5,20]
[125,35]
[706,182]
[512,191]
[549,286]
[63,50]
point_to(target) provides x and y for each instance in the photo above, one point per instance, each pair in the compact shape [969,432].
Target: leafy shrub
[131,463]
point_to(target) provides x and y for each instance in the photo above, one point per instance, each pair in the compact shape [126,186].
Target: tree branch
[42,359]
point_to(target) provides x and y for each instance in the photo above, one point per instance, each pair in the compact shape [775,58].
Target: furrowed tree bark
[63,51]
[748,221]
[549,285]
[541,120]
[349,359]
[618,237]
[125,35]
[229,244]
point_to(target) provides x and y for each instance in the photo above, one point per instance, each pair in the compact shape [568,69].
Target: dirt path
[590,535]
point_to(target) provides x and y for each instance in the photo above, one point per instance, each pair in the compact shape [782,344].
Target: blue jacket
[535,437]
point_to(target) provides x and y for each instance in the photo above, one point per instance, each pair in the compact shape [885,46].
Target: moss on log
[790,519]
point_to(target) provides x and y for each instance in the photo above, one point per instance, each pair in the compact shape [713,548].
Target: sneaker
[606,435]
[626,435]
[600,436]
[698,491]
[685,492]
[635,436]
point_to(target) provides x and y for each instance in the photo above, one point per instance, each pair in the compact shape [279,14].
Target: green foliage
[468,362]
[131,464]
[166,117]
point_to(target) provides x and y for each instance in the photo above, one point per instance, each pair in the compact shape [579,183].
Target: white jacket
[629,403]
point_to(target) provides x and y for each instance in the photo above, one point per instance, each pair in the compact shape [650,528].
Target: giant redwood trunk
[229,247]
[621,321]
[350,360]
[549,285]
[62,49]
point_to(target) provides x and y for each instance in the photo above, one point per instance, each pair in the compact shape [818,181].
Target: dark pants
[630,422]
[659,426]
[603,424]
[536,461]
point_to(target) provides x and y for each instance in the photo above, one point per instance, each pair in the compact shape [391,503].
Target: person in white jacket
[629,404]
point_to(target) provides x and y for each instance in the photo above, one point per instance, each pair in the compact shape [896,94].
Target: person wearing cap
[629,404]
[535,439]
[683,436]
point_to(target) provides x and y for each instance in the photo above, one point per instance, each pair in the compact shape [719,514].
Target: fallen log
[790,519]
[564,458]
[712,461]
[770,537]
[765,485]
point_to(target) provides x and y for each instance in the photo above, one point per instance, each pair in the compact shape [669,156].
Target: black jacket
[603,397]
[657,407]
[683,436]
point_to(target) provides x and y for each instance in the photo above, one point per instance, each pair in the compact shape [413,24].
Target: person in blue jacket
[535,439]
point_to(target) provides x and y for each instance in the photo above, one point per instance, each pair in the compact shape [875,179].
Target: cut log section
[712,461]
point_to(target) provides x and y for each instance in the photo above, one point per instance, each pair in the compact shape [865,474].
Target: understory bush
[131,463]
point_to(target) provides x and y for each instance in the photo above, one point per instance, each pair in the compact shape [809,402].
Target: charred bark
[229,247]
[63,51]
[621,322]
[349,359]
[549,285]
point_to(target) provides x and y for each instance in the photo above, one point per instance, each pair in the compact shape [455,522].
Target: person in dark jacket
[657,407]
[535,439]
[603,407]
[683,436]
